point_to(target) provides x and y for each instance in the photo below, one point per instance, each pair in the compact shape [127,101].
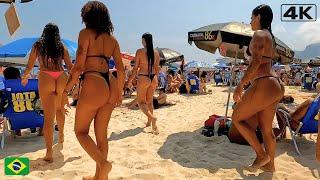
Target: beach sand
[178,152]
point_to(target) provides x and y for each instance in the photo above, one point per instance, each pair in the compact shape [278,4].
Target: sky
[168,20]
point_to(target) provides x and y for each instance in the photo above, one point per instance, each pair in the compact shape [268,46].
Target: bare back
[47,64]
[265,53]
[104,45]
[141,58]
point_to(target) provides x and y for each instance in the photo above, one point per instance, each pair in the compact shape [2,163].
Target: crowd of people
[99,91]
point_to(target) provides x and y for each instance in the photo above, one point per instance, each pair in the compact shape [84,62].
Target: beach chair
[308,125]
[308,79]
[162,79]
[218,79]
[20,113]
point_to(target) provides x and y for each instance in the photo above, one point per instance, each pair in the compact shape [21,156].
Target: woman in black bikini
[100,90]
[260,100]
[147,66]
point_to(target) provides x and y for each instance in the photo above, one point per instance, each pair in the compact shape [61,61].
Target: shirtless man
[147,67]
[50,52]
[260,100]
[100,90]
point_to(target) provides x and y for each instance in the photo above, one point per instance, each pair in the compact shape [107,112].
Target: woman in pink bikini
[50,53]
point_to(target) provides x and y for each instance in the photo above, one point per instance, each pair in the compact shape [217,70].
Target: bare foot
[148,124]
[268,168]
[105,169]
[155,130]
[258,163]
[48,158]
[89,178]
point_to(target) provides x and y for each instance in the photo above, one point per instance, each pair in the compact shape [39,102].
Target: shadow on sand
[193,150]
[58,160]
[125,134]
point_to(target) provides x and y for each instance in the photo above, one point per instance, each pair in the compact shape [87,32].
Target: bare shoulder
[113,39]
[259,36]
[139,52]
[84,32]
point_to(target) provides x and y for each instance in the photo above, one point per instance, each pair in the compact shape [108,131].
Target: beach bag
[209,123]
[211,126]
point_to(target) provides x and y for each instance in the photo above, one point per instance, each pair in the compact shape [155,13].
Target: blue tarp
[21,48]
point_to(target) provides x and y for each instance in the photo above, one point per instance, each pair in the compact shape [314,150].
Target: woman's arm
[136,67]
[78,68]
[256,44]
[157,64]
[67,60]
[120,69]
[31,61]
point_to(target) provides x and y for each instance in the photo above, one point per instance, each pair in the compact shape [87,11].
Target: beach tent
[202,66]
[17,52]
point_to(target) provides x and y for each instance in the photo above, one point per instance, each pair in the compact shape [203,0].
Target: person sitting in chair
[193,83]
[296,117]
[14,73]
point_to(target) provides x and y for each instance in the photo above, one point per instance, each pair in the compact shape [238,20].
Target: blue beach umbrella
[17,52]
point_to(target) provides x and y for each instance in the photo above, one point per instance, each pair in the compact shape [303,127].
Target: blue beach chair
[20,112]
[309,123]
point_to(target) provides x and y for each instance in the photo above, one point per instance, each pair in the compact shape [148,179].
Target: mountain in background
[311,51]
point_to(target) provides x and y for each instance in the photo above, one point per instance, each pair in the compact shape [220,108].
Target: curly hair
[96,16]
[50,45]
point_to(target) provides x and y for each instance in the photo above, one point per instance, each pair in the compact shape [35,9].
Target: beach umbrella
[13,1]
[169,55]
[232,39]
[17,52]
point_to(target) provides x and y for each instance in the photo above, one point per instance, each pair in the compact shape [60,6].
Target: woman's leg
[265,123]
[235,136]
[262,95]
[143,84]
[250,104]
[48,99]
[60,111]
[94,94]
[149,99]
[101,123]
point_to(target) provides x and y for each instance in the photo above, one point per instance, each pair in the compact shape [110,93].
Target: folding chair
[20,112]
[308,125]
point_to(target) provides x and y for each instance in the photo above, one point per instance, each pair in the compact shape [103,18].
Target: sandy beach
[178,152]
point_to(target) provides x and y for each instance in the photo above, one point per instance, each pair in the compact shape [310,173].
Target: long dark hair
[50,45]
[96,16]
[266,17]
[150,52]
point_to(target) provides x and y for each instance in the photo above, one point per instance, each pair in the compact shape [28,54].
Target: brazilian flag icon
[16,166]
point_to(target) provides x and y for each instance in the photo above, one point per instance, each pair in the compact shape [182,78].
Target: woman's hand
[24,81]
[237,94]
